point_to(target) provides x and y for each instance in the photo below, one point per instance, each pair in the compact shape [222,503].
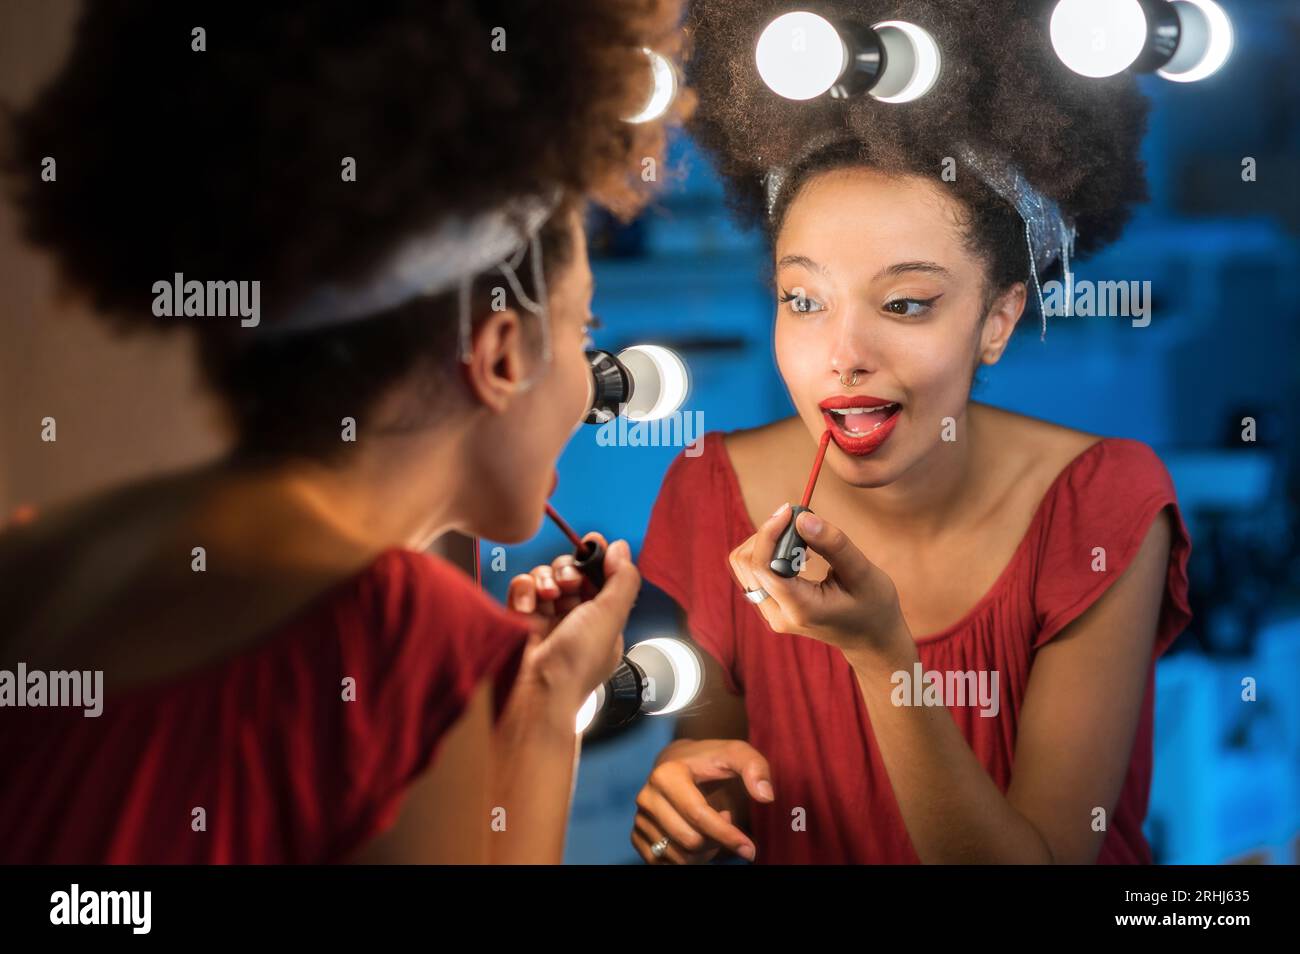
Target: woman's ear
[1001,321]
[497,367]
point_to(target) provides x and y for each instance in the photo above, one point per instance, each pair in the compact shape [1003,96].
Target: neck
[385,496]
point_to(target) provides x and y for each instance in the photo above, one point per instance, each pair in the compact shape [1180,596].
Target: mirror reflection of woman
[1045,564]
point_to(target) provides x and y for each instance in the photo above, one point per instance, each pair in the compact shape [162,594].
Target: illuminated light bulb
[588,711]
[913,62]
[1180,40]
[664,75]
[1098,38]
[642,383]
[800,55]
[661,382]
[1205,41]
[658,676]
[683,675]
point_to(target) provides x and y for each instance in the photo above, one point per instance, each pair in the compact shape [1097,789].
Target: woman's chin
[864,473]
[511,527]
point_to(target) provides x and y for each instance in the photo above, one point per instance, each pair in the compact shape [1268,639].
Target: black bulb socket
[867,60]
[1163,33]
[611,387]
[623,694]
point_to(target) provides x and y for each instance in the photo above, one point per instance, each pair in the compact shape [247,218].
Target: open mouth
[860,424]
[861,421]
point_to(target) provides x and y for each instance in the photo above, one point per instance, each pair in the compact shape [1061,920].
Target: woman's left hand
[855,608]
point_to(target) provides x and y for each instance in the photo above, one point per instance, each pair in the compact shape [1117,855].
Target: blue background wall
[1223,259]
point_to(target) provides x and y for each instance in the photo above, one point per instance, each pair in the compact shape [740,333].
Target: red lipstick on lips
[876,425]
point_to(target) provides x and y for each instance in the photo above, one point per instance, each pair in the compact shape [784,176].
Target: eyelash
[787,297]
[593,323]
[925,304]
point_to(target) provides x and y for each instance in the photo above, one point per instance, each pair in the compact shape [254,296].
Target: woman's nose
[853,352]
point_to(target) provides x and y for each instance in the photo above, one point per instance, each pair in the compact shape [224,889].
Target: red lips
[859,445]
[857,400]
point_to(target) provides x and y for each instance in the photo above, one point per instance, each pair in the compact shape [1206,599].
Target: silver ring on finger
[659,848]
[756,596]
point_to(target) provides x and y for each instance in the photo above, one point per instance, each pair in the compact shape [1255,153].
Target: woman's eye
[910,307]
[800,303]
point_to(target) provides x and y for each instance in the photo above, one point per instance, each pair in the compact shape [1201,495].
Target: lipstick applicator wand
[589,557]
[791,547]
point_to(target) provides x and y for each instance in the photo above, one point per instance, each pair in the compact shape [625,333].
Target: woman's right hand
[569,655]
[673,803]
[547,592]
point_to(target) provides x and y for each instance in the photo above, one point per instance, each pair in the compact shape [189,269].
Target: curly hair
[226,163]
[1002,90]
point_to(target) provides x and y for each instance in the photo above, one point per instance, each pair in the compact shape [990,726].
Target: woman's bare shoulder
[72,580]
[1030,447]
[760,449]
[770,462]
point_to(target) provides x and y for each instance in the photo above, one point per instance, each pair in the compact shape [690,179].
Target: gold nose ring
[850,383]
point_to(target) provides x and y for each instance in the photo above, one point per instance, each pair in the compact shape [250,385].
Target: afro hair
[224,160]
[1002,90]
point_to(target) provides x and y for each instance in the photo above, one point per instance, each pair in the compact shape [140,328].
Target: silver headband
[449,256]
[1049,235]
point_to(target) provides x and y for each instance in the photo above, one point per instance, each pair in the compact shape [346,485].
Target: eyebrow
[889,271]
[900,268]
[803,261]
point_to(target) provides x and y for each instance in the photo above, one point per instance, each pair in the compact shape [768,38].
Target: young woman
[963,671]
[287,676]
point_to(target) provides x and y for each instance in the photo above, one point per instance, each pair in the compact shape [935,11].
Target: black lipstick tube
[791,551]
